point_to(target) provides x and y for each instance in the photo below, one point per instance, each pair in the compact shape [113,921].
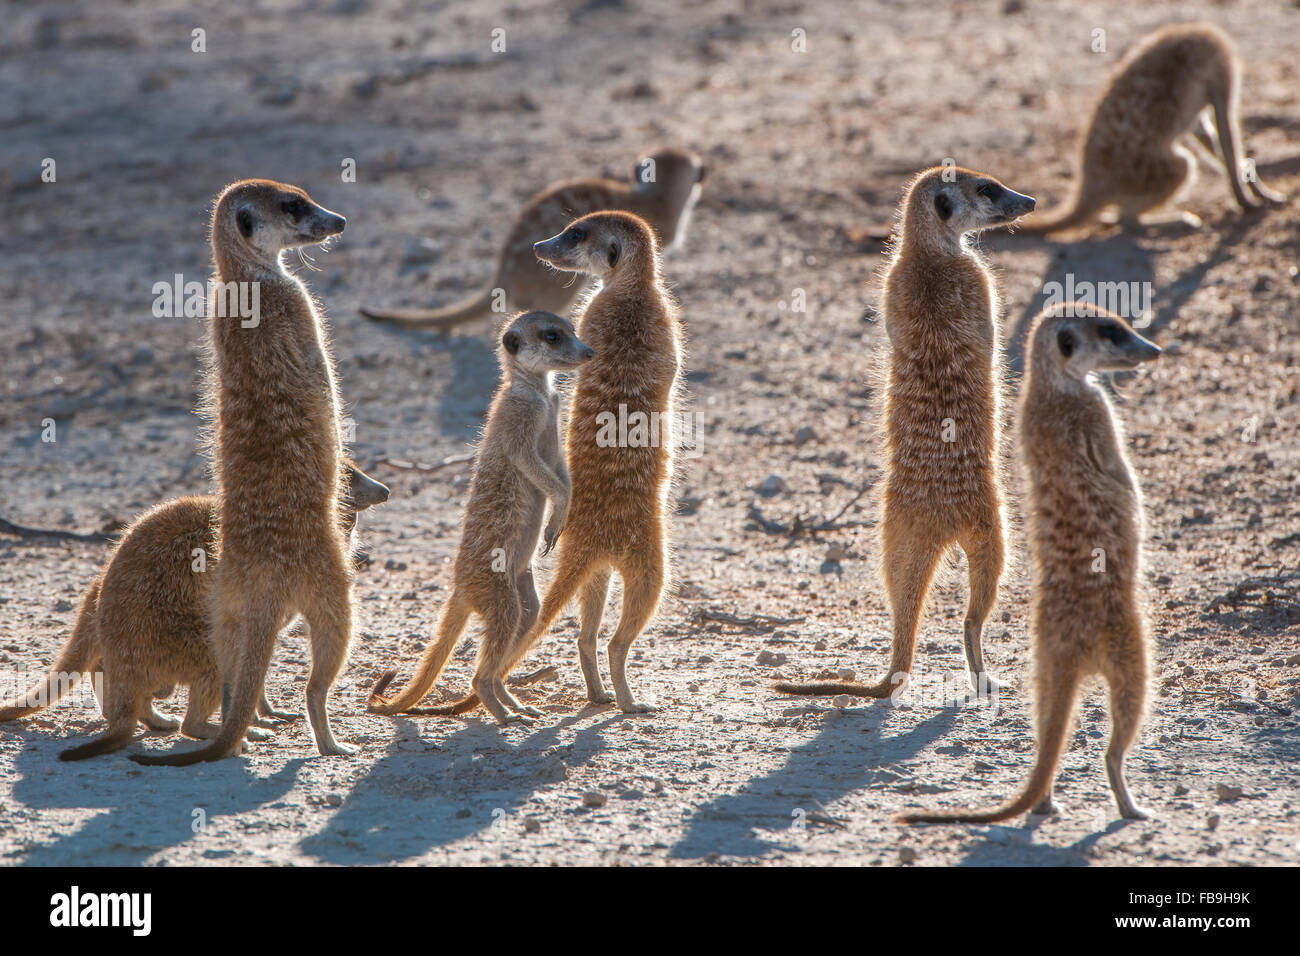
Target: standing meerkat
[619,506]
[1084,518]
[941,412]
[281,548]
[1178,87]
[143,624]
[663,191]
[517,470]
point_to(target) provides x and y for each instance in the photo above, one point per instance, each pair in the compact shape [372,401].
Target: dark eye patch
[1112,333]
[990,191]
[1065,342]
[294,207]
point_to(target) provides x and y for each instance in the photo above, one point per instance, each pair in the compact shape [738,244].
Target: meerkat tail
[826,688]
[455,615]
[469,702]
[79,655]
[445,317]
[1039,785]
[115,738]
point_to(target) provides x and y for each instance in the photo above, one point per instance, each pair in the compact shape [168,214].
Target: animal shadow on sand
[860,741]
[147,809]
[411,801]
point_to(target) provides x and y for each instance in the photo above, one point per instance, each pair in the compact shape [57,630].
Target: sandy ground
[806,152]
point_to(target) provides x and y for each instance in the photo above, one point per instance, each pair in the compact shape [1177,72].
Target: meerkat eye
[550,336]
[578,234]
[1065,342]
[294,207]
[990,191]
[1112,333]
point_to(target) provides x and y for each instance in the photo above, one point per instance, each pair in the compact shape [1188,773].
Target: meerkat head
[542,342]
[362,492]
[602,244]
[947,202]
[676,173]
[262,218]
[1076,339]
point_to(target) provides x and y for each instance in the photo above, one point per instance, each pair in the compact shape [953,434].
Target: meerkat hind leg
[159,723]
[593,597]
[984,559]
[331,625]
[1127,703]
[501,636]
[642,586]
[909,563]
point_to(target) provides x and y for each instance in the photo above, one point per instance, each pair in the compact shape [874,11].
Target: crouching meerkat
[1084,520]
[518,468]
[277,454]
[1178,88]
[941,412]
[618,513]
[143,624]
[664,189]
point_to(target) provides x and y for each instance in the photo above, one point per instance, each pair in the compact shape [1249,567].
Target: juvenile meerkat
[143,624]
[517,470]
[281,549]
[941,412]
[620,503]
[663,191]
[1084,519]
[1178,87]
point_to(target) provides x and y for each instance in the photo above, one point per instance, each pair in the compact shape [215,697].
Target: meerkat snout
[544,342]
[1088,341]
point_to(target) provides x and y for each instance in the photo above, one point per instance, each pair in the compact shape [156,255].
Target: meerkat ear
[511,342]
[244,220]
[613,254]
[943,206]
[1065,342]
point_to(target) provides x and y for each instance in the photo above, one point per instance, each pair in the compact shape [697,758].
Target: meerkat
[518,469]
[143,624]
[664,189]
[277,453]
[620,500]
[1084,518]
[1178,87]
[942,400]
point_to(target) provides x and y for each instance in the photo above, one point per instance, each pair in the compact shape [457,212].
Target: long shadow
[463,401]
[401,808]
[138,822]
[725,825]
[1011,846]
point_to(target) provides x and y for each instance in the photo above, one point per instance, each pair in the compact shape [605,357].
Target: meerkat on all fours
[618,512]
[663,192]
[277,456]
[518,469]
[941,413]
[143,624]
[1178,88]
[1084,521]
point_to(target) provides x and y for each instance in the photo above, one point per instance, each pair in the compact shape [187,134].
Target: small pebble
[594,798]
